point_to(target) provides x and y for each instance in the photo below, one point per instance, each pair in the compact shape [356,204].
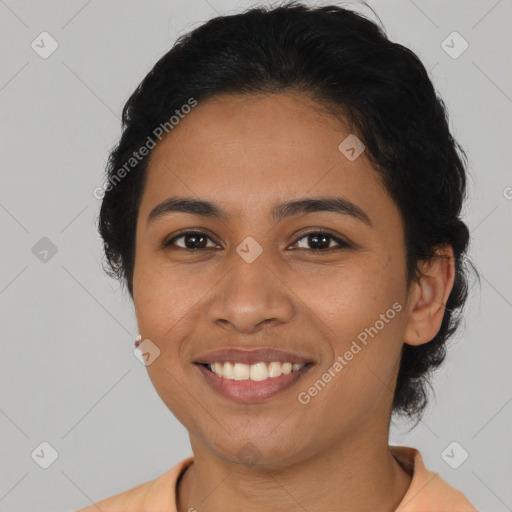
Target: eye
[197,240]
[321,240]
[194,240]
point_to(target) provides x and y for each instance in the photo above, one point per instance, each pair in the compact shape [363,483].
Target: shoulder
[131,499]
[428,490]
[158,494]
[123,501]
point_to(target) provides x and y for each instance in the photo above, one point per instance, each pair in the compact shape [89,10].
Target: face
[326,286]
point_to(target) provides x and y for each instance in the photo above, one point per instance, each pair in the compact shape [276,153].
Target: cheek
[163,294]
[362,310]
[352,297]
[363,314]
[168,304]
[164,309]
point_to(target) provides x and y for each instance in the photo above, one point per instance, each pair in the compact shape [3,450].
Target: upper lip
[252,356]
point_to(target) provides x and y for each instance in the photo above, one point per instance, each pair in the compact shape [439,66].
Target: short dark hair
[347,64]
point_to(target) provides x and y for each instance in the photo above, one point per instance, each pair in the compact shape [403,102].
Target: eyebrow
[279,212]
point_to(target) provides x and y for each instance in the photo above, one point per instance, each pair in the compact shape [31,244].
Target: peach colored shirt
[428,492]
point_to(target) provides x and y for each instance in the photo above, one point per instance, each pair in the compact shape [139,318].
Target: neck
[352,477]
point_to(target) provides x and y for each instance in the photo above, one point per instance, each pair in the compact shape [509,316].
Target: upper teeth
[257,371]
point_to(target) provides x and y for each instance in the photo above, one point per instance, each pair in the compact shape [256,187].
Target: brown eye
[318,241]
[193,240]
[321,240]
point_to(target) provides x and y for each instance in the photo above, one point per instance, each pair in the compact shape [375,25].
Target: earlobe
[429,296]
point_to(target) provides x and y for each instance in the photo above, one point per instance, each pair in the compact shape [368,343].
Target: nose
[250,298]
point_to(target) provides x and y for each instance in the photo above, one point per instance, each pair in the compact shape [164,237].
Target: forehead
[247,151]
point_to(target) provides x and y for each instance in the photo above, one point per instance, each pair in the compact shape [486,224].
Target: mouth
[256,379]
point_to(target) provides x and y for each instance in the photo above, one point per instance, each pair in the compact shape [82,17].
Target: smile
[252,383]
[256,372]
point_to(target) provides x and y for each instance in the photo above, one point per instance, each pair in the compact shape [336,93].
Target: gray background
[68,374]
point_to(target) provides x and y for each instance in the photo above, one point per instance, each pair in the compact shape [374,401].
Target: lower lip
[250,391]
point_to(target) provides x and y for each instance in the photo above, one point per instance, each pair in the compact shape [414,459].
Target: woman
[284,209]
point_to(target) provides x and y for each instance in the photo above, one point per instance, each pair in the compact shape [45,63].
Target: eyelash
[342,243]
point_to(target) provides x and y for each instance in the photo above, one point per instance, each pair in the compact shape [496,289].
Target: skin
[247,154]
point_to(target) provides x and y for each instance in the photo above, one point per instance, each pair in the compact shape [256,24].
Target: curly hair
[347,64]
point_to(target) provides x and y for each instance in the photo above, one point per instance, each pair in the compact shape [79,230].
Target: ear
[427,298]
